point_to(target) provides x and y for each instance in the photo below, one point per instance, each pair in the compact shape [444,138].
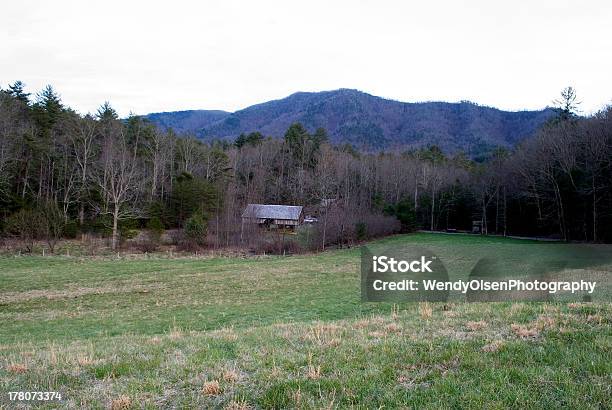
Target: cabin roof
[260,211]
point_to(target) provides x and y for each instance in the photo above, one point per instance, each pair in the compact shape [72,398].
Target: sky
[152,56]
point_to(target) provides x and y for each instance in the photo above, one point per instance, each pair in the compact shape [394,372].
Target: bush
[152,237]
[27,226]
[195,230]
[276,247]
[53,223]
[71,230]
[147,245]
[159,210]
[361,231]
[100,225]
[128,229]
[156,228]
[404,212]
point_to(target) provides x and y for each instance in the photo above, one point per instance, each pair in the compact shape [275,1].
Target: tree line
[63,174]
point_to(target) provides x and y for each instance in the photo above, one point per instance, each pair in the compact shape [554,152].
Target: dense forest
[64,175]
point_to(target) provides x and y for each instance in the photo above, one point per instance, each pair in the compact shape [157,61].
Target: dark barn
[281,216]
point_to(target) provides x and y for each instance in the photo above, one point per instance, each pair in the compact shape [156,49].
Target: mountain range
[366,121]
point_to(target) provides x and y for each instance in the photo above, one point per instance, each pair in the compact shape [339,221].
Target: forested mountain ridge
[187,121]
[367,121]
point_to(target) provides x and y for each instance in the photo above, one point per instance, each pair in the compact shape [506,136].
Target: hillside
[187,121]
[367,121]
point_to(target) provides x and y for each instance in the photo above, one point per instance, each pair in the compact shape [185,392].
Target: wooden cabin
[281,216]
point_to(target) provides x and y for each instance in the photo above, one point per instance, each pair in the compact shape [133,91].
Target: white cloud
[164,56]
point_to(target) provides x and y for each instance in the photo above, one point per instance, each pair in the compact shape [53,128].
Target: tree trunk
[25,180]
[594,211]
[324,230]
[560,209]
[497,212]
[483,219]
[82,214]
[505,214]
[433,207]
[115,223]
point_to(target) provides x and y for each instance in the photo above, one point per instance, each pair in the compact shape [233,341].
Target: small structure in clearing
[281,216]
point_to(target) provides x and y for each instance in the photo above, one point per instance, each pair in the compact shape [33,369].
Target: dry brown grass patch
[545,322]
[425,310]
[411,384]
[393,328]
[474,326]
[594,319]
[238,405]
[360,324]
[297,397]
[394,312]
[314,372]
[231,376]
[551,309]
[227,334]
[321,334]
[376,334]
[287,335]
[175,333]
[334,342]
[211,388]
[121,403]
[85,360]
[53,356]
[525,332]
[494,346]
[17,368]
[372,321]
[516,308]
[276,372]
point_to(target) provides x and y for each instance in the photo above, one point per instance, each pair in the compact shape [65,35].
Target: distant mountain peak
[355,117]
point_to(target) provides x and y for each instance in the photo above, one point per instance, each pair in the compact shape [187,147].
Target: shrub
[53,223]
[147,245]
[156,228]
[100,225]
[128,229]
[404,212]
[195,230]
[71,230]
[25,225]
[361,231]
[152,238]
[276,247]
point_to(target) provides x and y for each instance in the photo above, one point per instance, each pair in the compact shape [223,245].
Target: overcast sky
[173,55]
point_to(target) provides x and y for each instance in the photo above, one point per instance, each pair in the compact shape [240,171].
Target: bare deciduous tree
[119,176]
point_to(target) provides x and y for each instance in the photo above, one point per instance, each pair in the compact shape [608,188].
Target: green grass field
[289,332]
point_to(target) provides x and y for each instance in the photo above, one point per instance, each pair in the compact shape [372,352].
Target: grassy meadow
[289,332]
